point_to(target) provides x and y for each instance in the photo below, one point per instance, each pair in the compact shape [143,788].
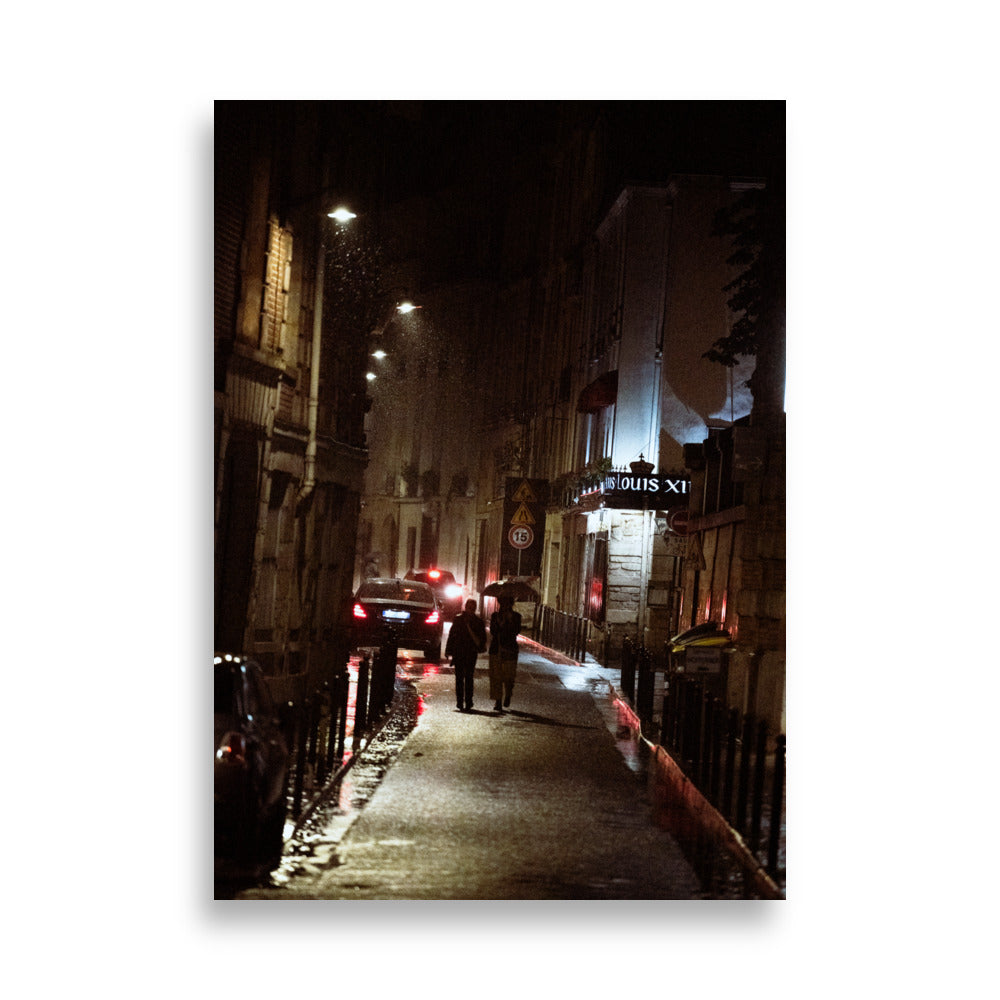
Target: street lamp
[343,216]
[403,308]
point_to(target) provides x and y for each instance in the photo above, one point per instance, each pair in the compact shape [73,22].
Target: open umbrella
[517,589]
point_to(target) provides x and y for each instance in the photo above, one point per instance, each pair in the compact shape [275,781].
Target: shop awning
[603,391]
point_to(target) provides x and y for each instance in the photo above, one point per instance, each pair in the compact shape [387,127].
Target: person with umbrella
[505,624]
[466,640]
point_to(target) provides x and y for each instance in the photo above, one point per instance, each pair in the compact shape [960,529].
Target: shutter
[276,277]
[230,210]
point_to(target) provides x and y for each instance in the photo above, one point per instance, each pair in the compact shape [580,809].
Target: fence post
[777,798]
[320,754]
[344,693]
[383,679]
[666,715]
[732,727]
[744,783]
[331,731]
[361,699]
[301,737]
[628,668]
[708,742]
[760,761]
[644,687]
[314,711]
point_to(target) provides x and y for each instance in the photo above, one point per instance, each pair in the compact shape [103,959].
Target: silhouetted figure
[466,640]
[504,627]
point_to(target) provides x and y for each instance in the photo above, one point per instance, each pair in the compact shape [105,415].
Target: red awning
[603,391]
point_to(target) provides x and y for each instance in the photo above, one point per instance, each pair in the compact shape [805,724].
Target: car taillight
[433,618]
[434,574]
[453,590]
[232,749]
[359,612]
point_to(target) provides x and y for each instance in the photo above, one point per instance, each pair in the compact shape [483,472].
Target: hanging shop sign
[625,490]
[523,526]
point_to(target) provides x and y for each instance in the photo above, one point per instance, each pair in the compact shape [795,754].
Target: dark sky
[444,142]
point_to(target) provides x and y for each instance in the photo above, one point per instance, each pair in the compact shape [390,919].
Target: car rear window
[443,577]
[397,590]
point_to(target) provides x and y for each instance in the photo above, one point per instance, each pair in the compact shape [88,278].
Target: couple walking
[467,639]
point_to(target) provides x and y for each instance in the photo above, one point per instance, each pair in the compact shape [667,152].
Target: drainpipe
[312,416]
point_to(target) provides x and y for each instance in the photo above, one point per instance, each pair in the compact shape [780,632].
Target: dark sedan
[400,612]
[251,768]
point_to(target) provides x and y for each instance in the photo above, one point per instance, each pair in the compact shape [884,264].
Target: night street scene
[515,364]
[574,433]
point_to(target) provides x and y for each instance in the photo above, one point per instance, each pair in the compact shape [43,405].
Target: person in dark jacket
[466,640]
[504,627]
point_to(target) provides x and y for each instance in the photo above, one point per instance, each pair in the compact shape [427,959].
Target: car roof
[394,589]
[419,574]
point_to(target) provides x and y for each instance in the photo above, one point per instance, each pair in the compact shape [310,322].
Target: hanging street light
[342,214]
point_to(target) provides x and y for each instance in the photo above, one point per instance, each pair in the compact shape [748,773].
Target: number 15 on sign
[520,536]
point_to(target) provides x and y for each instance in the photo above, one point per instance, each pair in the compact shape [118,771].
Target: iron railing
[564,632]
[733,759]
[337,713]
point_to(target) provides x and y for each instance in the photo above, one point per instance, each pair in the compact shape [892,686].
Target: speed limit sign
[520,536]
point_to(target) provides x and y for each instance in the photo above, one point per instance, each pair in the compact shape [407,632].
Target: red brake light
[359,612]
[232,749]
[434,574]
[433,618]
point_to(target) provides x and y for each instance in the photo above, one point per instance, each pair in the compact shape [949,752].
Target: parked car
[251,767]
[404,612]
[449,593]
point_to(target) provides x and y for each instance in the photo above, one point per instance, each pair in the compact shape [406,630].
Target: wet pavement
[538,802]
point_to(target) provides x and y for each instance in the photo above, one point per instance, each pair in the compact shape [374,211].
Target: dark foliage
[744,222]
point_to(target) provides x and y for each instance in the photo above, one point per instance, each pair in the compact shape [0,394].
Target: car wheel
[432,654]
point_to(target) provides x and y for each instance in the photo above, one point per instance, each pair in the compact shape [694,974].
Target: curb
[671,790]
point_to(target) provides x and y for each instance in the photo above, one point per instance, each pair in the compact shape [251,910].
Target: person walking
[466,640]
[504,627]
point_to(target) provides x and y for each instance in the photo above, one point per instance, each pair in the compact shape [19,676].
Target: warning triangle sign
[524,494]
[522,516]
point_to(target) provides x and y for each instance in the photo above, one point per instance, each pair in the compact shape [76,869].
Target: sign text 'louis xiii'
[627,490]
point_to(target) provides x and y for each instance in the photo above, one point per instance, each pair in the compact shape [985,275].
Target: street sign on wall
[523,526]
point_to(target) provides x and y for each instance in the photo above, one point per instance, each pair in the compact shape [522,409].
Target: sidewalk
[533,803]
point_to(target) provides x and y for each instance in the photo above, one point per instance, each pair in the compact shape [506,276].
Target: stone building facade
[289,401]
[570,344]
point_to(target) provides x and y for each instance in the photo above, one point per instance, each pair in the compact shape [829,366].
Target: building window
[277,277]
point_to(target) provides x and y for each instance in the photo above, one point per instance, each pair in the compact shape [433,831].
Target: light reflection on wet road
[313,849]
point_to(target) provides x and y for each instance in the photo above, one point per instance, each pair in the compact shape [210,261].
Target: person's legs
[466,670]
[496,680]
[509,673]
